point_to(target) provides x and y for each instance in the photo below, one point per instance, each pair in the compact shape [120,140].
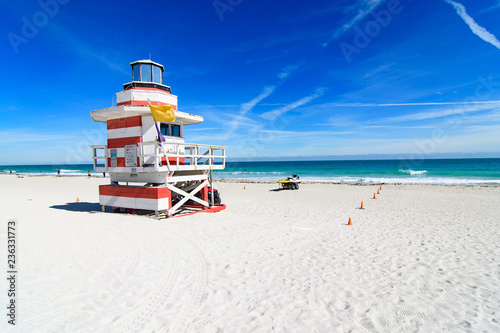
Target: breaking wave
[414,172]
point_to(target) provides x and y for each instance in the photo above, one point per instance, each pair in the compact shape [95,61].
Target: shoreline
[251,181]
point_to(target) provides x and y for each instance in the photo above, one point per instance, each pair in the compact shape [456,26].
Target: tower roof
[123,111]
[147,62]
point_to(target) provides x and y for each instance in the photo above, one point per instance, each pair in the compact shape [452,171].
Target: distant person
[88,173]
[10,171]
[104,174]
[58,172]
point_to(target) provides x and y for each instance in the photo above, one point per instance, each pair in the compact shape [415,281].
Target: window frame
[167,129]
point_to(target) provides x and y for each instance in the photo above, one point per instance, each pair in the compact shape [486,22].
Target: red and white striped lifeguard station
[166,177]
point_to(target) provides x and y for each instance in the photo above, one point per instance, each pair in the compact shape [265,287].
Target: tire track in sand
[188,314]
[168,277]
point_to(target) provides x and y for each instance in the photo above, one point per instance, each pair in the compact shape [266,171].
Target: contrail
[476,28]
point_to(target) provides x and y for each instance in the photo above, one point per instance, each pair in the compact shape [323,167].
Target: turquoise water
[429,171]
[50,170]
[426,171]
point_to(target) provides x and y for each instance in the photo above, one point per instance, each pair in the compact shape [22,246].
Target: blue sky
[271,78]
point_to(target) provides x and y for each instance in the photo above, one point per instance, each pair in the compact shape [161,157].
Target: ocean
[474,171]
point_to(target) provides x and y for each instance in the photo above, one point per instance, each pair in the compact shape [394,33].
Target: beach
[418,258]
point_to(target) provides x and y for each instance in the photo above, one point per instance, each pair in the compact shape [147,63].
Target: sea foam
[414,172]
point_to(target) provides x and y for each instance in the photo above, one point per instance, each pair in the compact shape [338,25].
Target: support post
[212,199]
[204,196]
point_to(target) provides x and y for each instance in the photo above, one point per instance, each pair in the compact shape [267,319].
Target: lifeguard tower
[146,173]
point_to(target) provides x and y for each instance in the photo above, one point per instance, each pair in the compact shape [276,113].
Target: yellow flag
[163,113]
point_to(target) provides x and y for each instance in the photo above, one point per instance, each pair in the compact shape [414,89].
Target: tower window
[146,72]
[157,75]
[170,130]
[135,72]
[175,130]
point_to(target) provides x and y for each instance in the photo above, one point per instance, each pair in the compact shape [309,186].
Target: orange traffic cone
[378,191]
[244,187]
[77,199]
[350,222]
[380,187]
[374,195]
[362,206]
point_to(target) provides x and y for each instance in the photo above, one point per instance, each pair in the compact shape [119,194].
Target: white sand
[418,258]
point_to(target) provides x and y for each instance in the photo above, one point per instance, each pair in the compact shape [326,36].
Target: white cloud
[440,113]
[378,70]
[362,8]
[476,28]
[488,118]
[278,112]
[295,134]
[493,103]
[245,107]
[109,57]
[10,108]
[240,119]
[287,71]
[26,135]
[248,106]
[205,129]
[495,6]
[215,106]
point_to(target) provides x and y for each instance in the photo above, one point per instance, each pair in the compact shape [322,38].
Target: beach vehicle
[291,183]
[216,195]
[150,166]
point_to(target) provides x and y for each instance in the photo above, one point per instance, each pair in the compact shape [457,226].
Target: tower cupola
[147,74]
